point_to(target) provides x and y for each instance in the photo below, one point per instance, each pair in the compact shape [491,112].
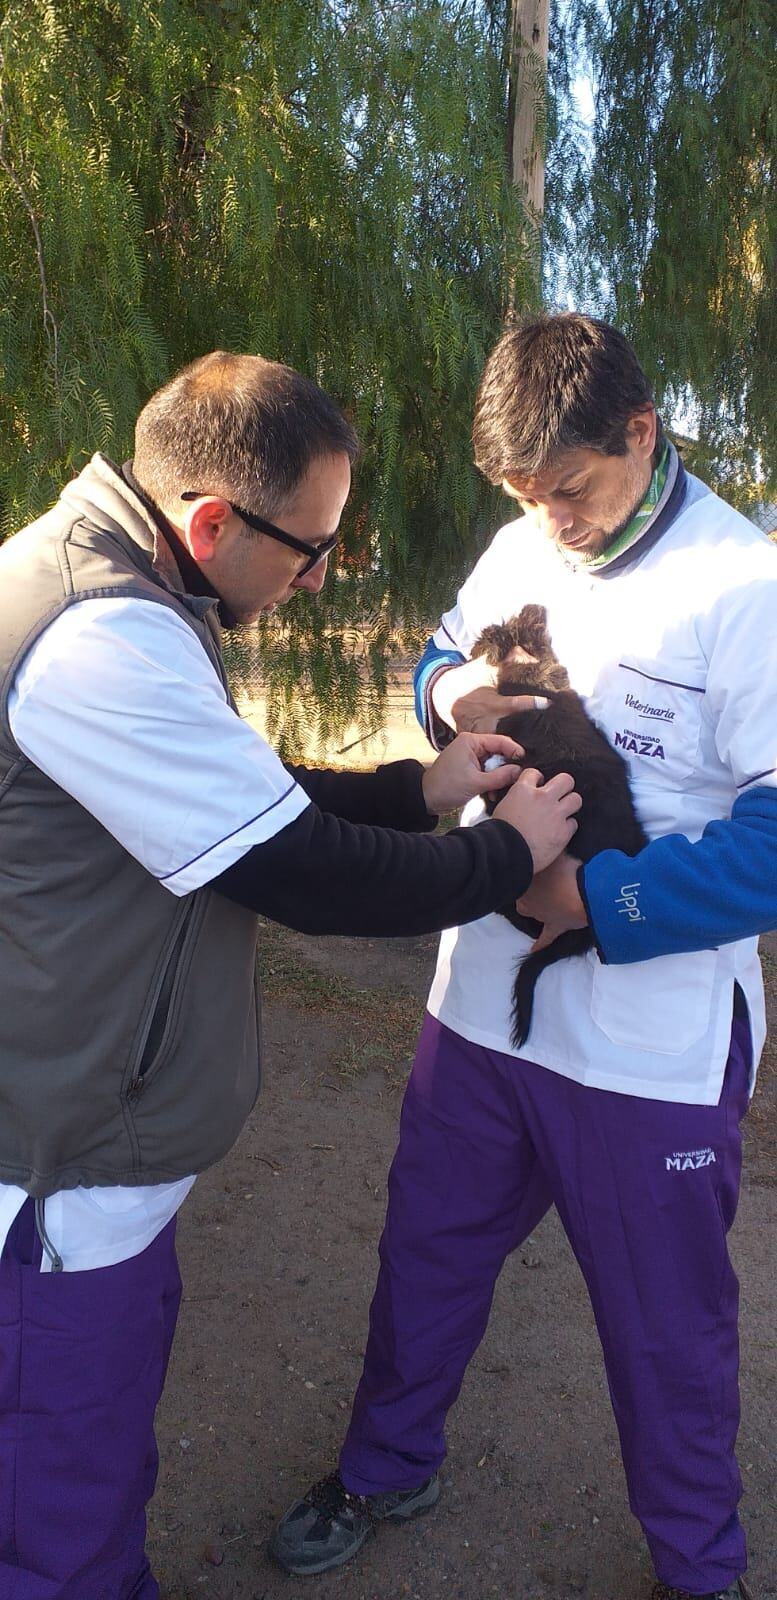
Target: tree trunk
[528,68]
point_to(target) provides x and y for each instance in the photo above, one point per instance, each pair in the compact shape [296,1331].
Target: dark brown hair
[237,426]
[555,383]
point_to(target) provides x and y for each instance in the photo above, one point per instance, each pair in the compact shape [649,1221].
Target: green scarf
[641,517]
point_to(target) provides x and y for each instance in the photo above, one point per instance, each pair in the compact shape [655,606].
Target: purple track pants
[83,1357]
[646,1191]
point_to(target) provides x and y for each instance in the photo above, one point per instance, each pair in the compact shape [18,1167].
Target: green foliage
[321,182]
[675,215]
[325,181]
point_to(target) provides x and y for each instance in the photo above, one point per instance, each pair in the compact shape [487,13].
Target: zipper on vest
[159,1013]
[48,1248]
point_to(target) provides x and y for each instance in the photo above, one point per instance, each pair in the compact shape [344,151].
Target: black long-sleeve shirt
[353,863]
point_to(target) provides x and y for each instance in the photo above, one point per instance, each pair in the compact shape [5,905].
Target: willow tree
[329,182]
[322,181]
[673,221]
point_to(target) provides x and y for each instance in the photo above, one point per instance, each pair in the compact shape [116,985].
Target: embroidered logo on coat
[627,902]
[639,744]
[663,713]
[690,1160]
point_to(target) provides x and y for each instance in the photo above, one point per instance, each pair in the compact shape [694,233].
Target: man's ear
[642,431]
[203,527]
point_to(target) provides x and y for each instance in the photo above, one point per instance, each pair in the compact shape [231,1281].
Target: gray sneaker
[738,1591]
[329,1524]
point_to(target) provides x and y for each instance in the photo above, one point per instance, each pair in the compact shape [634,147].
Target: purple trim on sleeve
[186,864]
[757,777]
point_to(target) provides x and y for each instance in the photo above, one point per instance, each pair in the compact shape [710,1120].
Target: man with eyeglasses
[144,827]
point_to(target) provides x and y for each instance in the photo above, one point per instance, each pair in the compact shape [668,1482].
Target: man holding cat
[623,1106]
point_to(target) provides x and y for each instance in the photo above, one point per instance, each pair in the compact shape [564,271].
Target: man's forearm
[390,797]
[323,875]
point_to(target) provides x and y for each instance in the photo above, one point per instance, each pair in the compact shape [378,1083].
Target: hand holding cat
[553,899]
[466,698]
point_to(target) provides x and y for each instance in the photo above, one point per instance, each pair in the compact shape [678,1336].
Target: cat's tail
[572,943]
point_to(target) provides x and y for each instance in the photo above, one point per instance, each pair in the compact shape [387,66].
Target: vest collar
[172,559]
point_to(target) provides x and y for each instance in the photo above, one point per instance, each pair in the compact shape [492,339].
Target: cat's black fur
[561,738]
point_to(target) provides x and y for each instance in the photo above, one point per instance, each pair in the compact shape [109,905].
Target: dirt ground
[277,1249]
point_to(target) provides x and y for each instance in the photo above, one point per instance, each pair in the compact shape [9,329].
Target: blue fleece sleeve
[677,896]
[431,661]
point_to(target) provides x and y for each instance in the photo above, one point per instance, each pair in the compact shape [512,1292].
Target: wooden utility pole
[528,69]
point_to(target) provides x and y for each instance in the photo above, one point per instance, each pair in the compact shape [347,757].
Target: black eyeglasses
[314,552]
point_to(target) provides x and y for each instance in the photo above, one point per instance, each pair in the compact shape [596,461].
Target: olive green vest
[129,1018]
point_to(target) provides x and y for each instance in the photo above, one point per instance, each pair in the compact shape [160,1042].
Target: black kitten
[560,738]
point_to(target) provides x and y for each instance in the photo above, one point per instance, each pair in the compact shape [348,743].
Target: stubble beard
[602,539]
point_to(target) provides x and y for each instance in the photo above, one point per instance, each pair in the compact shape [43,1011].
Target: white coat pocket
[663,1005]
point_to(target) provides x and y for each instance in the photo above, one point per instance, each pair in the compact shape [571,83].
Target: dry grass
[290,978]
